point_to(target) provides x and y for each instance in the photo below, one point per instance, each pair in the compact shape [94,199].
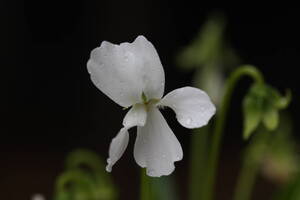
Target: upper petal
[192,106]
[124,71]
[117,147]
[156,147]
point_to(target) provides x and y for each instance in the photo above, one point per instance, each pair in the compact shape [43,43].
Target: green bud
[271,118]
[262,104]
[252,110]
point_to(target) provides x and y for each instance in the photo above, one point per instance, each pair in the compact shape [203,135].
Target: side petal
[136,116]
[156,147]
[117,147]
[192,106]
[123,72]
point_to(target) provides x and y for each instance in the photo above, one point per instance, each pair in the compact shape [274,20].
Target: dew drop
[127,56]
[150,172]
[188,121]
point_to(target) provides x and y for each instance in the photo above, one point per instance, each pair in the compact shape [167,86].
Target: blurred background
[50,107]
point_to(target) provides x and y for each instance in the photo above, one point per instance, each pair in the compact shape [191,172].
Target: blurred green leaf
[210,79]
[284,101]
[206,46]
[75,183]
[252,111]
[84,179]
[281,160]
[270,119]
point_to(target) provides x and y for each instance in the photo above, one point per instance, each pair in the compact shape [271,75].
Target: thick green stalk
[220,122]
[145,190]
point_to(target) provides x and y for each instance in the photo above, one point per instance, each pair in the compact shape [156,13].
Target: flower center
[149,103]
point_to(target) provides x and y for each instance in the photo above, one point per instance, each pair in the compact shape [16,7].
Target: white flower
[131,74]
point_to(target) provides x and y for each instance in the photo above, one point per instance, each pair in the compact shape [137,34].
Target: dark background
[50,106]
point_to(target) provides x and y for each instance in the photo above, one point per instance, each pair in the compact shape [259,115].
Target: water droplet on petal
[188,121]
[150,172]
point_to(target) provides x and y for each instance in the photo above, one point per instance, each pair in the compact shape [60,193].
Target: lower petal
[117,147]
[156,146]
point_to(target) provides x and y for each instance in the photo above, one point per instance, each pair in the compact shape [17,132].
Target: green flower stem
[220,122]
[145,190]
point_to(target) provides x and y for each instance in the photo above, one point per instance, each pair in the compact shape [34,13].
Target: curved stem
[246,70]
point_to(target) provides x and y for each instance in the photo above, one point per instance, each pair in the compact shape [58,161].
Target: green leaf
[284,101]
[252,110]
[84,178]
[271,118]
[72,179]
[207,45]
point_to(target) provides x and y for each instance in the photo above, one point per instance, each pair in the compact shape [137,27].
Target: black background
[50,106]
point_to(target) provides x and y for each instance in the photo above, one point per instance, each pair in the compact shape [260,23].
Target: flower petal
[117,147]
[192,106]
[123,72]
[136,116]
[156,147]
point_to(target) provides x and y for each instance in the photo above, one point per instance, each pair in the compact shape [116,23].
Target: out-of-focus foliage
[210,55]
[291,191]
[262,104]
[84,178]
[208,46]
[281,161]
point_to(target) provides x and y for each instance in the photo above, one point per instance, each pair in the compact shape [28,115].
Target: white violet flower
[131,74]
